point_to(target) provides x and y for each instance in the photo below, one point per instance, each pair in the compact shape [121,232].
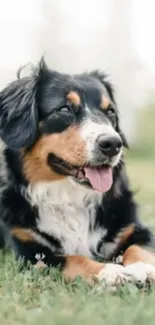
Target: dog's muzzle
[103,149]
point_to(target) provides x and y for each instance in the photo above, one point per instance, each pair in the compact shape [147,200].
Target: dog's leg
[139,263]
[28,246]
[136,254]
[92,271]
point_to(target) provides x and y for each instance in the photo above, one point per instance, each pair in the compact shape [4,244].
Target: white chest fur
[67,212]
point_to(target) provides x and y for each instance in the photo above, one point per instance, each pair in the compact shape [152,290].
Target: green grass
[33,298]
[142,177]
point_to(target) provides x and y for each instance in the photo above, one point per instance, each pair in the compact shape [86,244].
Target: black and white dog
[64,193]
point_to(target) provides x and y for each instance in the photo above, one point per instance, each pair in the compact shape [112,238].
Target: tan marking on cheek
[66,145]
[81,266]
[74,98]
[36,170]
[105,102]
[22,234]
[136,254]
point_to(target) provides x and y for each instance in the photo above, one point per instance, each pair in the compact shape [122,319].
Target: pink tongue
[100,178]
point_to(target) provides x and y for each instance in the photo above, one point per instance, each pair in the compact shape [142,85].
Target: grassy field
[34,298]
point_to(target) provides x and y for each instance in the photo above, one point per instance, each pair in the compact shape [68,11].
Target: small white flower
[39,257]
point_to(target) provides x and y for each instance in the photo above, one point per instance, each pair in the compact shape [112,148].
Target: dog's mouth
[99,177]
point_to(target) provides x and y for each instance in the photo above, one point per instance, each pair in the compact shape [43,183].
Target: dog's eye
[64,109]
[111,112]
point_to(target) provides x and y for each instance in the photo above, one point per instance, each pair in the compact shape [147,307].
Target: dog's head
[63,126]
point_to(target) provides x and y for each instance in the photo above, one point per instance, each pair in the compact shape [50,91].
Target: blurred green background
[141,162]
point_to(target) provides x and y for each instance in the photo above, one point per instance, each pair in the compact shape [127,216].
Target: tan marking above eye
[105,102]
[74,98]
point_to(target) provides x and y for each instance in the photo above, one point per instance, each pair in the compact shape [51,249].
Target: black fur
[39,98]
[18,122]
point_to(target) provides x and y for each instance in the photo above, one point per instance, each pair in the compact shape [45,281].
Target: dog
[65,198]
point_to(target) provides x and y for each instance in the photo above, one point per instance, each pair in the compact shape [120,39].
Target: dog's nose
[110,146]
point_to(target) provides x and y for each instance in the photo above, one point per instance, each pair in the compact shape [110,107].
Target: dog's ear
[18,113]
[103,78]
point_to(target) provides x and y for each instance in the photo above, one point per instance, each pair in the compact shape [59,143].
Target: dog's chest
[67,212]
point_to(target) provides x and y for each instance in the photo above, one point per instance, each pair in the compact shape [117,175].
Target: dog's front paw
[140,272]
[114,275]
[111,276]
